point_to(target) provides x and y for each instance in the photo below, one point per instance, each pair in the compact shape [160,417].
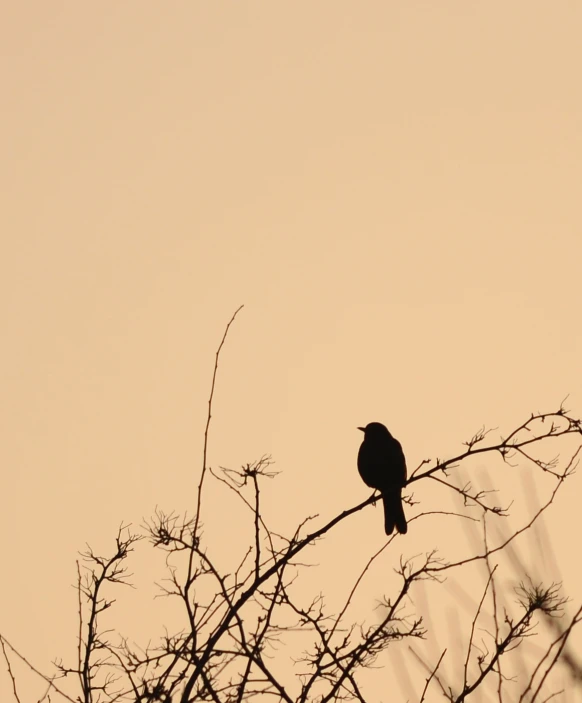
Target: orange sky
[392,190]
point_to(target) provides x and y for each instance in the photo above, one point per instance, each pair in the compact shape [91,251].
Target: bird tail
[394,512]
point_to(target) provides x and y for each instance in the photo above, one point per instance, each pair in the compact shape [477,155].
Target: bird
[382,465]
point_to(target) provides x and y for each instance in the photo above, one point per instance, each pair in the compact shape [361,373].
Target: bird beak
[362,429]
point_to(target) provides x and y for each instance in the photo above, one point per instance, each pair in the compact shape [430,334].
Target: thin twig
[208,419]
[10,673]
[432,675]
[48,680]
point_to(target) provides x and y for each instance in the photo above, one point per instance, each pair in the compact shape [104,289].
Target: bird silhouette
[382,465]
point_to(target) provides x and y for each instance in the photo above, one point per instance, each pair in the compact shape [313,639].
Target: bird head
[375,429]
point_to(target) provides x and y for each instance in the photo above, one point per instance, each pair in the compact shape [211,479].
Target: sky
[391,190]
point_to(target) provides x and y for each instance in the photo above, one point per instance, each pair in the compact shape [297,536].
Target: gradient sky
[391,188]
